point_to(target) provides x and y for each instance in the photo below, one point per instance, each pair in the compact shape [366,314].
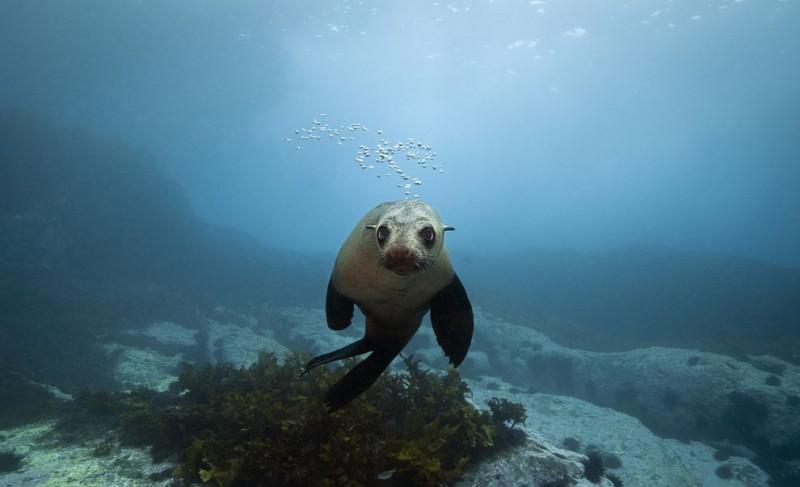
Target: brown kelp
[267,425]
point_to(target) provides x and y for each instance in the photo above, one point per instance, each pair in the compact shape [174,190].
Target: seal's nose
[400,258]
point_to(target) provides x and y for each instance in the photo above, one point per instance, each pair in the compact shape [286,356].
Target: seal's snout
[400,259]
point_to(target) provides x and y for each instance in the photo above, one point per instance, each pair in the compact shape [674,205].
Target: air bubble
[384,151]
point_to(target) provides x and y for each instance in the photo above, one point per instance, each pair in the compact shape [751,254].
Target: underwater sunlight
[414,243]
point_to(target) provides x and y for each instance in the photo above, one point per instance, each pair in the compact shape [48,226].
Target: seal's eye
[427,234]
[382,233]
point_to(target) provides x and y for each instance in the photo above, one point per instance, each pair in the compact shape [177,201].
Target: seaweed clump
[593,468]
[267,425]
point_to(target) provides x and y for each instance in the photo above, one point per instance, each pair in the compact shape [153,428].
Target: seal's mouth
[401,260]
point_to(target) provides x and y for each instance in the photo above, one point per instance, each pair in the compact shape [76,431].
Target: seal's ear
[371,227]
[447,228]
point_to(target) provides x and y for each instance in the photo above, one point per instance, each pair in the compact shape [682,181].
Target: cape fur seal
[395,267]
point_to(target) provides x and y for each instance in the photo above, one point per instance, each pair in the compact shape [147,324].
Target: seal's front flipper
[338,308]
[359,379]
[355,348]
[451,316]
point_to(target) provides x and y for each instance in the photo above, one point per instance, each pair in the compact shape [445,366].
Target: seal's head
[409,236]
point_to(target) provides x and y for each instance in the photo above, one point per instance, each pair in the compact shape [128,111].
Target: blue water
[619,174]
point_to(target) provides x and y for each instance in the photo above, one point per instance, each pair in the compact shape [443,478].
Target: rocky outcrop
[540,374]
[676,392]
[679,393]
[537,463]
[555,424]
[94,463]
[240,345]
[629,449]
[99,461]
[151,360]
[151,356]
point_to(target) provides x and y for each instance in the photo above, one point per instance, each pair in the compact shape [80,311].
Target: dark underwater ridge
[484,243]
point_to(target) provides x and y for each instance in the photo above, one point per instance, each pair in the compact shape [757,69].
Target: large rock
[537,463]
[150,356]
[680,393]
[52,463]
[240,345]
[306,329]
[143,367]
[644,458]
[167,333]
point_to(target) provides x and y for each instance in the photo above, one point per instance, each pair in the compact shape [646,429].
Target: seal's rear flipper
[338,308]
[355,348]
[451,316]
[359,379]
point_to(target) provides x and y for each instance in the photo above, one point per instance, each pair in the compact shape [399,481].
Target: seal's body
[395,267]
[393,301]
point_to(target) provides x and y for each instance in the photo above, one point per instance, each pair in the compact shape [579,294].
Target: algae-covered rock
[538,463]
[268,425]
[681,393]
[629,450]
[51,463]
[240,345]
[150,356]
[168,333]
[137,367]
